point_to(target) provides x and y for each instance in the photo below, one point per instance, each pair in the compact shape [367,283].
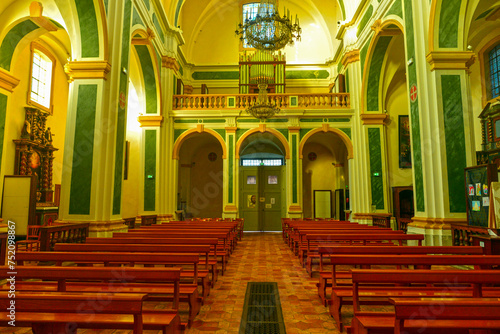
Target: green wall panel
[374,73]
[83,151]
[414,109]
[311,120]
[222,133]
[178,11]
[308,74]
[364,20]
[363,53]
[3,113]
[347,81]
[136,18]
[377,184]
[342,7]
[347,131]
[483,14]
[396,9]
[284,132]
[448,23]
[277,120]
[295,167]
[88,28]
[178,133]
[122,113]
[216,75]
[149,169]
[339,120]
[455,140]
[303,133]
[248,120]
[220,120]
[11,39]
[148,72]
[230,180]
[239,133]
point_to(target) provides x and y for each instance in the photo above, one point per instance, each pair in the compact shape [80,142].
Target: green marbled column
[376,173]
[150,170]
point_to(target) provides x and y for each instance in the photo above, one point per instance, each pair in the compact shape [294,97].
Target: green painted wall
[222,133]
[377,184]
[308,74]
[148,72]
[12,38]
[414,109]
[448,23]
[374,73]
[220,75]
[363,53]
[158,28]
[396,9]
[284,132]
[342,7]
[364,20]
[347,131]
[295,192]
[122,113]
[230,179]
[83,151]
[3,113]
[178,133]
[88,28]
[347,81]
[178,11]
[136,18]
[456,156]
[149,169]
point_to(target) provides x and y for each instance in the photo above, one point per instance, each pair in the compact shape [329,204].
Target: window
[250,11]
[261,162]
[494,60]
[42,72]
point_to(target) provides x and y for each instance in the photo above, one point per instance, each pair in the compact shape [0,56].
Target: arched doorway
[200,180]
[262,182]
[325,176]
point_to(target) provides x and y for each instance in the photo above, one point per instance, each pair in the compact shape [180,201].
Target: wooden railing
[63,233]
[462,234]
[243,101]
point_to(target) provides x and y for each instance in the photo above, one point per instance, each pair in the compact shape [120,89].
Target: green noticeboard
[477,190]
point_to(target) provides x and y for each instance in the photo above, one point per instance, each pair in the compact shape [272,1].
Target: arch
[341,134]
[200,129]
[450,35]
[377,47]
[263,129]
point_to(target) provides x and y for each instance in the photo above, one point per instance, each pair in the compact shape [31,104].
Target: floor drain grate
[262,310]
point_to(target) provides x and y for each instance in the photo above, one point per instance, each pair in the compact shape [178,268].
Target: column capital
[374,119]
[97,69]
[8,81]
[294,129]
[350,57]
[451,60]
[170,62]
[153,120]
[231,129]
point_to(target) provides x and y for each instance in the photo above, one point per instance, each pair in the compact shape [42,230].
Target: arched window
[494,67]
[41,77]
[250,10]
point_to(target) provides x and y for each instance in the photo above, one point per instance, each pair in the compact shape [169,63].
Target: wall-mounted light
[410,62]
[469,47]
[124,70]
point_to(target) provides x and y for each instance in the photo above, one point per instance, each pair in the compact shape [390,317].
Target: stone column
[231,168]
[294,173]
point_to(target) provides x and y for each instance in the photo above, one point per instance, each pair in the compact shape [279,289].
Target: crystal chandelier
[262,109]
[267,30]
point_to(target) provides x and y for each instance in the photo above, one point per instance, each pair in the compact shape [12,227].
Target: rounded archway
[262,157]
[325,176]
[200,177]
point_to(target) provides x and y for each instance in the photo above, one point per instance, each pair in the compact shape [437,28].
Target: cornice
[374,119]
[8,81]
[451,60]
[98,69]
[153,120]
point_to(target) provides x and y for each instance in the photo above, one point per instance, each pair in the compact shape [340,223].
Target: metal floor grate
[262,310]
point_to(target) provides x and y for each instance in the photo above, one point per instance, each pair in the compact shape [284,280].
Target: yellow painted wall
[16,112]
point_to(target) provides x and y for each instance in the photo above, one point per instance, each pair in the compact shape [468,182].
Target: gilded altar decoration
[35,152]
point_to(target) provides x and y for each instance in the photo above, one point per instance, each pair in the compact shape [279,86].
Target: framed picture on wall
[404,142]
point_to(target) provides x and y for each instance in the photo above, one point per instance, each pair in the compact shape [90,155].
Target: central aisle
[264,257]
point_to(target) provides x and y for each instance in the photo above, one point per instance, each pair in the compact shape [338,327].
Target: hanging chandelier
[263,109]
[267,30]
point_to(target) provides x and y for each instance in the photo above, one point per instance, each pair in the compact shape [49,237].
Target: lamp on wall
[267,30]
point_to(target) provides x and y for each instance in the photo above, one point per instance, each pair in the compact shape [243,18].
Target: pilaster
[230,170]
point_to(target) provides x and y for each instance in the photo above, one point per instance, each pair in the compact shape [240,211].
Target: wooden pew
[60,312]
[454,315]
[342,295]
[448,284]
[170,241]
[328,251]
[188,291]
[115,279]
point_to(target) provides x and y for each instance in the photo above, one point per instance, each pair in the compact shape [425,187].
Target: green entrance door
[261,189]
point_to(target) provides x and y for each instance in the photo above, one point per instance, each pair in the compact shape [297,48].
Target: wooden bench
[326,277]
[454,315]
[114,280]
[170,241]
[342,295]
[60,312]
[445,284]
[188,291]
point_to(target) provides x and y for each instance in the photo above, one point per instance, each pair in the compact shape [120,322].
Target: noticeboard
[477,190]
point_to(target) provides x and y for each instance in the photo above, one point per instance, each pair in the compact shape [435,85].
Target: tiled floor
[259,257]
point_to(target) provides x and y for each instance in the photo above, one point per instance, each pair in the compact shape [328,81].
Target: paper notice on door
[269,206]
[273,200]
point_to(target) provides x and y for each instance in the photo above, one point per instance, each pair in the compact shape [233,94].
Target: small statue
[26,131]
[48,137]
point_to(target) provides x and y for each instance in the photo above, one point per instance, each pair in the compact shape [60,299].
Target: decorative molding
[98,69]
[377,26]
[294,129]
[230,208]
[374,119]
[170,62]
[295,209]
[325,127]
[350,57]
[36,9]
[231,129]
[262,127]
[8,81]
[188,89]
[451,60]
[154,120]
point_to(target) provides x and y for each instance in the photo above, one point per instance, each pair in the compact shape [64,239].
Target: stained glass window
[495,71]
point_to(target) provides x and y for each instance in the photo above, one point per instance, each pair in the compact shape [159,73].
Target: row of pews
[395,288]
[104,282]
